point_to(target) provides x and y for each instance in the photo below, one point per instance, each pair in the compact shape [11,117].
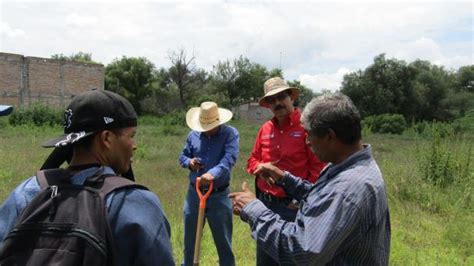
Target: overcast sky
[315,42]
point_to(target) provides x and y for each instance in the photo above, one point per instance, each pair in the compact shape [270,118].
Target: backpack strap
[112,183]
[108,183]
[50,177]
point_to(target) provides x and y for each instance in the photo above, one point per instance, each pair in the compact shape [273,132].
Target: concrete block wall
[25,80]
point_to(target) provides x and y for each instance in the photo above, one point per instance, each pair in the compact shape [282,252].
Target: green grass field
[431,225]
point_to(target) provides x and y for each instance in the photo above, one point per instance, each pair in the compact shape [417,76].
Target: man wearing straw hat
[210,151]
[281,141]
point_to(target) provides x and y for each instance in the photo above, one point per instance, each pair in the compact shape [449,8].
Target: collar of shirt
[293,118]
[80,177]
[218,133]
[332,170]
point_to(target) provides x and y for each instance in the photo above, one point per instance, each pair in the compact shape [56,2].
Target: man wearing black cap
[100,127]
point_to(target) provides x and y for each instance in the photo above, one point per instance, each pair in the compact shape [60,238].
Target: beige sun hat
[274,86]
[207,117]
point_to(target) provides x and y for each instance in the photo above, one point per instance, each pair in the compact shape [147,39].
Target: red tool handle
[203,198]
[200,221]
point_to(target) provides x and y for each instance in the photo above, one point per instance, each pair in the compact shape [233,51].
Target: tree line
[418,90]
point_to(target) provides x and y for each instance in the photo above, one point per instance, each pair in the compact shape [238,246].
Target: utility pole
[280,59]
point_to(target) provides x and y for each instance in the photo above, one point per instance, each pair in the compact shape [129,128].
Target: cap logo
[108,120]
[67,118]
[70,138]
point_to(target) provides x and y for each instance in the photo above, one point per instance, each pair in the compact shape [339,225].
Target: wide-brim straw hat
[274,86]
[207,117]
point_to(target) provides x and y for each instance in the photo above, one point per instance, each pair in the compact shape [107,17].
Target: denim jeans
[218,214]
[263,259]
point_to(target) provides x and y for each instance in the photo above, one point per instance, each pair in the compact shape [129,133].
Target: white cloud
[328,81]
[8,31]
[317,41]
[80,20]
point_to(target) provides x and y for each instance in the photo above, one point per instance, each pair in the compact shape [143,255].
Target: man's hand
[269,172]
[206,179]
[195,164]
[240,199]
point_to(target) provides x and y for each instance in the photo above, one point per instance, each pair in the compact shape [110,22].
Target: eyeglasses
[279,96]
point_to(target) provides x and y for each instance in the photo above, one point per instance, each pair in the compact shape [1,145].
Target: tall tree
[131,77]
[465,78]
[182,72]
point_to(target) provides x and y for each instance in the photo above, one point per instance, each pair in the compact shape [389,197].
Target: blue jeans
[263,259]
[219,216]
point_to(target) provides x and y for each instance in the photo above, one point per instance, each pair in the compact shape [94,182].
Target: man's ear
[105,138]
[293,96]
[331,134]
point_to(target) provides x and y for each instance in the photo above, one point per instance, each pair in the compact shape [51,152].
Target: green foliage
[132,78]
[465,123]
[438,164]
[241,80]
[185,76]
[419,90]
[37,115]
[386,123]
[78,57]
[465,78]
[306,94]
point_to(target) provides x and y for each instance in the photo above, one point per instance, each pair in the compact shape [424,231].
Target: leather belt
[216,189]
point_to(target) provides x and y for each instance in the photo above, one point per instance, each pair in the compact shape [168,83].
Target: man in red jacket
[282,141]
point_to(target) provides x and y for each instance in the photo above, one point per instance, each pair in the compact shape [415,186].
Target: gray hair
[333,111]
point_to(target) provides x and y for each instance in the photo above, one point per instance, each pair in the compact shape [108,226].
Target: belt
[270,199]
[216,189]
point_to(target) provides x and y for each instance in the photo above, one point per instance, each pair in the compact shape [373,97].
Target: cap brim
[295,92]
[66,139]
[5,110]
[192,119]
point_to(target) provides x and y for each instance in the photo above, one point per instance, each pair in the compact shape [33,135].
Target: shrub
[37,115]
[439,164]
[386,123]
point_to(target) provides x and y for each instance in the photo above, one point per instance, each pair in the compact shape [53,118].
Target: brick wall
[25,80]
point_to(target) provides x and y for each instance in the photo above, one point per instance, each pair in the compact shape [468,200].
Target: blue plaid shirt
[218,154]
[343,219]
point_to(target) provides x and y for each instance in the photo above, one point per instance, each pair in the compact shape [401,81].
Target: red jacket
[285,146]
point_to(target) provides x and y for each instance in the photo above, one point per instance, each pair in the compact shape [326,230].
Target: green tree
[78,57]
[465,78]
[241,80]
[432,86]
[306,94]
[131,77]
[185,75]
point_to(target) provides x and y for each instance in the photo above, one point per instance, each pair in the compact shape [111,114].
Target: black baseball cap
[93,111]
[5,110]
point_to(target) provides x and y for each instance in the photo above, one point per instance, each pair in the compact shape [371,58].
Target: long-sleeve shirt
[284,145]
[343,219]
[140,228]
[217,153]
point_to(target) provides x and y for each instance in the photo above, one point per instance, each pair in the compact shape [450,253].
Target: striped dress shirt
[343,219]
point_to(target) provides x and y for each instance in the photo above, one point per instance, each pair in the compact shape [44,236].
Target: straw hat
[207,117]
[274,86]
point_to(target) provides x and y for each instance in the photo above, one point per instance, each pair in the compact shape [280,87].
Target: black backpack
[65,224]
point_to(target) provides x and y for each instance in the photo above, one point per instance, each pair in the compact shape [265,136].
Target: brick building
[25,80]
